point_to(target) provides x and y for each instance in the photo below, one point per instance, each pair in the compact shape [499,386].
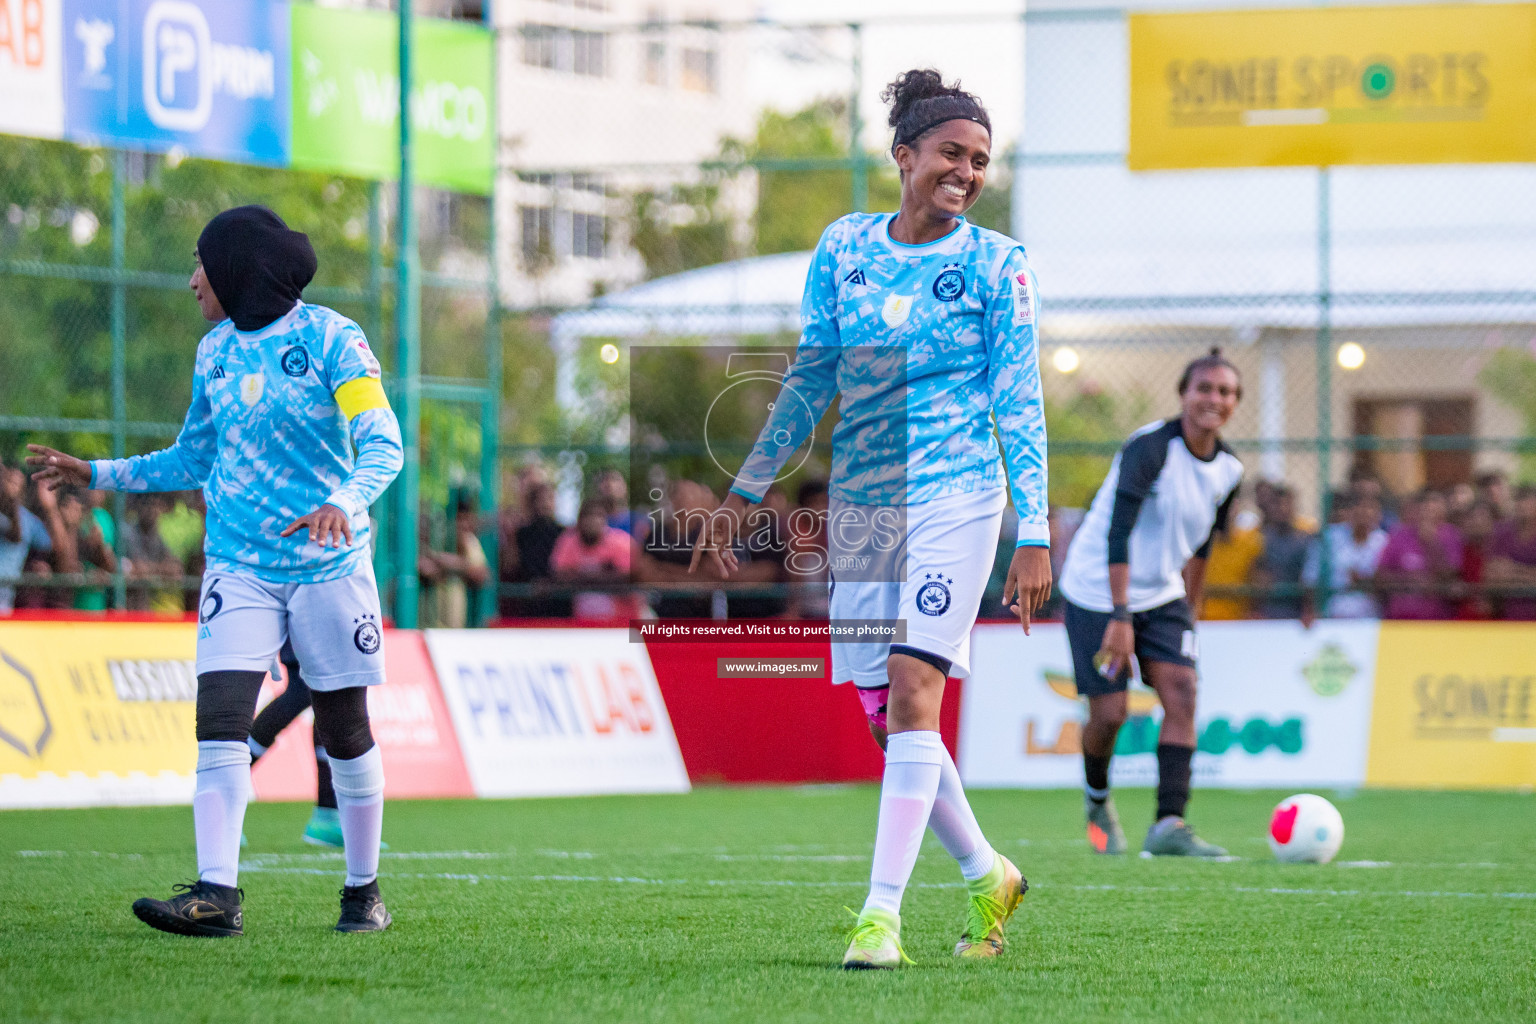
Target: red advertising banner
[410,723]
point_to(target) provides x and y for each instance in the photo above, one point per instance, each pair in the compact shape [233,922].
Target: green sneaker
[875,942]
[988,911]
[1104,832]
[324,828]
[1171,837]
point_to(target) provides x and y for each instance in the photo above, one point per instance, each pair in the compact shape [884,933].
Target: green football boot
[875,943]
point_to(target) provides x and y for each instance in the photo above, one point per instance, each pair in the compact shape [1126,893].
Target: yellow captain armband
[358,396]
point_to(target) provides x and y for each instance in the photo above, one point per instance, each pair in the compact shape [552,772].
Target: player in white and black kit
[1133,580]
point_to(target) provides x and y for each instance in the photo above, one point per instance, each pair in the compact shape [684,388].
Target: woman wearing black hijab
[282,392]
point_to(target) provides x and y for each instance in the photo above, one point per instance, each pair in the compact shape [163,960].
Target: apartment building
[599,99]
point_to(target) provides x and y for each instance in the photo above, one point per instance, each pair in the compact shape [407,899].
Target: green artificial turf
[727,905]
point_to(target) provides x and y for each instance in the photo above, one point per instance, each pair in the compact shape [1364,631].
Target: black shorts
[1165,633]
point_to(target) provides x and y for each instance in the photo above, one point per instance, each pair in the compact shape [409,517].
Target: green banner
[346,97]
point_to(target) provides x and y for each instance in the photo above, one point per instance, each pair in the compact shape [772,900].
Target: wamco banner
[1334,85]
[346,97]
[1299,715]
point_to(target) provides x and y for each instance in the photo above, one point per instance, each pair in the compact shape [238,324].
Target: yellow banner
[1343,85]
[1455,706]
[96,713]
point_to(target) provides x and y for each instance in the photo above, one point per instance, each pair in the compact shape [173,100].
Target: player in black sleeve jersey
[1133,581]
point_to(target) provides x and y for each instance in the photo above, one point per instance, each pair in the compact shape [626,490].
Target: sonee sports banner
[1334,85]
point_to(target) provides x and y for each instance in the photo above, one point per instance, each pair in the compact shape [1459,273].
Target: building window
[564,217]
[655,64]
[564,49]
[589,53]
[700,70]
[538,234]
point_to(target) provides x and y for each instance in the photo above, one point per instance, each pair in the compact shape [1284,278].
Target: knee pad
[226,705]
[875,702]
[341,716]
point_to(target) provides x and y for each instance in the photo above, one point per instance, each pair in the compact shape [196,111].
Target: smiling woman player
[281,392]
[924,324]
[1133,580]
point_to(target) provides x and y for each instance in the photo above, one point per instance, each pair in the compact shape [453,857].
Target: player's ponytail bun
[1210,361]
[920,102]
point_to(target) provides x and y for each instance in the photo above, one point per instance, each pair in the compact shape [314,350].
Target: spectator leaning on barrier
[153,567]
[1493,487]
[766,540]
[1233,553]
[1353,547]
[21,533]
[450,576]
[91,532]
[1477,525]
[1285,553]
[594,553]
[1421,563]
[807,567]
[1512,557]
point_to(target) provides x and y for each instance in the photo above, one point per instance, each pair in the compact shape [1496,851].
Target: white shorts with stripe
[935,570]
[334,625]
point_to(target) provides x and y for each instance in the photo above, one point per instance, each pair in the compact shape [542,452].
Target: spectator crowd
[1467,552]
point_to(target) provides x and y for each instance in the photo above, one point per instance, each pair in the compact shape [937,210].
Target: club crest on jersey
[251,387]
[366,637]
[933,596]
[1023,301]
[856,278]
[295,361]
[950,284]
[897,309]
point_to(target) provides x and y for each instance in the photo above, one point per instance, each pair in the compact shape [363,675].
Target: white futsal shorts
[335,627]
[947,546]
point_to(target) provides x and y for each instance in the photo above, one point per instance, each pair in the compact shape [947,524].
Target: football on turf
[1305,829]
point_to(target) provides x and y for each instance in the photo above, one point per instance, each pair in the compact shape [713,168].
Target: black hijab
[255,265]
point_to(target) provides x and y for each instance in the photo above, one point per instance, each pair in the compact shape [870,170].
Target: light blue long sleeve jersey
[269,438]
[922,342]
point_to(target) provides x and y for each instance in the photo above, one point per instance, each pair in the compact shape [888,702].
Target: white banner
[556,712]
[32,68]
[1279,705]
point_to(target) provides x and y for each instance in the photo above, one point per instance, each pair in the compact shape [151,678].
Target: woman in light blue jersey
[924,325]
[282,393]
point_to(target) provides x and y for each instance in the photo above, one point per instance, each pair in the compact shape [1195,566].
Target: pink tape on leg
[874,702]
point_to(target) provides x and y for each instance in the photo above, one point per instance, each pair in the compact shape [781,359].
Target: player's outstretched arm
[184,466]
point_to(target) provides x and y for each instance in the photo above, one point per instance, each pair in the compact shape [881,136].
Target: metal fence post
[408,354]
[119,362]
[490,408]
[856,153]
[383,541]
[1324,379]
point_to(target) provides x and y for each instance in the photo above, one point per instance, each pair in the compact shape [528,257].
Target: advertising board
[410,724]
[97,714]
[1455,706]
[208,78]
[1279,705]
[1431,83]
[32,68]
[556,712]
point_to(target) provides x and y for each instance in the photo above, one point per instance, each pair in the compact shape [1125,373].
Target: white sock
[218,808]
[954,823]
[359,785]
[911,780]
